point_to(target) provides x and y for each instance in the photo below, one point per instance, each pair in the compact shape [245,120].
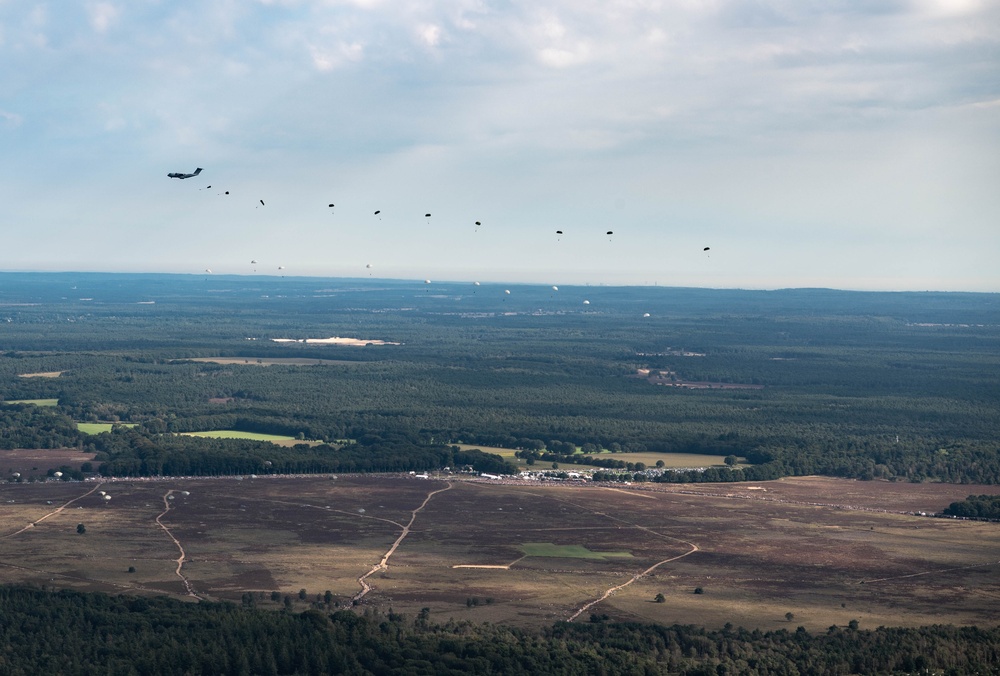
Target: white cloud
[429,34]
[102,15]
[10,119]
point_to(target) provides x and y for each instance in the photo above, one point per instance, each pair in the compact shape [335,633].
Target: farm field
[277,439]
[236,434]
[671,460]
[826,550]
[99,427]
[36,402]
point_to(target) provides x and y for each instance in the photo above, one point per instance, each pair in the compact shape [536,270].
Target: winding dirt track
[637,576]
[180,559]
[57,510]
[384,563]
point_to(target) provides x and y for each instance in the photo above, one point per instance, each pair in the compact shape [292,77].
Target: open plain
[826,550]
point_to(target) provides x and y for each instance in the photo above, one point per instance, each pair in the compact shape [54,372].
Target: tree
[660,598]
[699,590]
[81,529]
[789,616]
[131,569]
[731,460]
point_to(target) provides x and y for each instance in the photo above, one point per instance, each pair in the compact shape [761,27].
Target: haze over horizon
[848,146]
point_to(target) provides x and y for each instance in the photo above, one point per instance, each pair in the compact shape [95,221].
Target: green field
[97,428]
[36,402]
[236,434]
[670,460]
[567,551]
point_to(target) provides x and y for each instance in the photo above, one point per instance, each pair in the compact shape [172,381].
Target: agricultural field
[36,402]
[670,460]
[99,427]
[826,550]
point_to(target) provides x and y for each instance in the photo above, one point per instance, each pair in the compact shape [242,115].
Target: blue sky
[843,144]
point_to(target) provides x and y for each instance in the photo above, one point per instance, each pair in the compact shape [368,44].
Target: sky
[841,144]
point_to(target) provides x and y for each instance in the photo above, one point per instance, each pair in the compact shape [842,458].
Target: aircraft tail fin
[196,171]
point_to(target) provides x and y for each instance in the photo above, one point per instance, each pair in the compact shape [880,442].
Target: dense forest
[71,632]
[869,385]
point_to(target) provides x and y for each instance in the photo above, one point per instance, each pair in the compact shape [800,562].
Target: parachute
[507,291]
[646,314]
[586,302]
[555,288]
[475,284]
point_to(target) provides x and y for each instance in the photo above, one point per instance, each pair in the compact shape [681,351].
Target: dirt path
[384,563]
[180,559]
[57,510]
[694,548]
[637,576]
[494,566]
[930,572]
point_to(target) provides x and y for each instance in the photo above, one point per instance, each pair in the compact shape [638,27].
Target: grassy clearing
[670,460]
[36,402]
[567,551]
[97,428]
[236,434]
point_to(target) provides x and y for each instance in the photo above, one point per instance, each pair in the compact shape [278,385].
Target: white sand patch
[336,340]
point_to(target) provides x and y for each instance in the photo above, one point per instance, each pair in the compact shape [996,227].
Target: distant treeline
[888,386]
[69,632]
[976,507]
[137,452]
